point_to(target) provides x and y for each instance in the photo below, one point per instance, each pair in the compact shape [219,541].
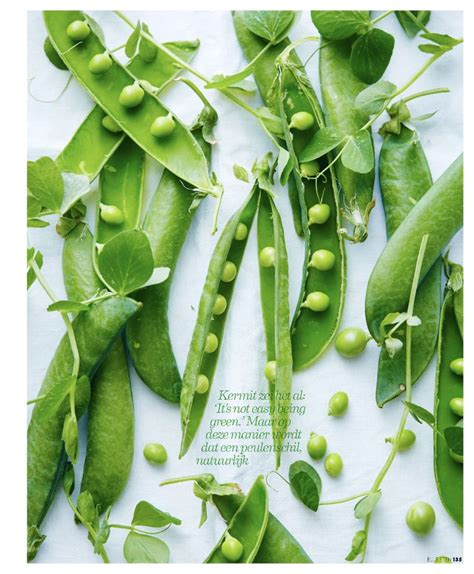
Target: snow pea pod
[405,176]
[178,152]
[220,280]
[438,213]
[247,525]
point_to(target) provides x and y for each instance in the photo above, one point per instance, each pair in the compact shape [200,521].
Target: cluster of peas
[456,404]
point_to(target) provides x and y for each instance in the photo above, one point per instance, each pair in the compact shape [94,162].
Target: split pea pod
[405,176]
[438,213]
[179,152]
[247,526]
[209,329]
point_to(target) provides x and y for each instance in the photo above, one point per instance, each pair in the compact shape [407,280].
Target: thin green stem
[426,93]
[414,19]
[34,401]
[342,500]
[118,48]
[381,17]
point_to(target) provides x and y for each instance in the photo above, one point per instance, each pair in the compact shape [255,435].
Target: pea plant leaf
[454,437]
[68,479]
[340,24]
[284,165]
[159,275]
[75,187]
[240,173]
[357,547]
[65,306]
[45,183]
[370,55]
[206,122]
[87,509]
[146,514]
[420,414]
[322,142]
[305,484]
[103,531]
[373,99]
[95,27]
[54,398]
[147,50]
[271,25]
[271,121]
[144,549]
[37,256]
[70,437]
[35,539]
[132,42]
[409,26]
[52,55]
[358,154]
[33,206]
[366,505]
[441,39]
[126,261]
[37,223]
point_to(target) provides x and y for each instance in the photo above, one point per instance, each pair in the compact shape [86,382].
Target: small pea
[351,342]
[421,518]
[338,404]
[212,342]
[109,124]
[302,121]
[319,213]
[457,366]
[220,305]
[131,96]
[407,440]
[267,257]
[323,260]
[100,63]
[309,169]
[241,232]
[457,406]
[317,446]
[270,371]
[333,464]
[229,272]
[202,385]
[78,30]
[317,301]
[232,549]
[155,452]
[163,126]
[111,214]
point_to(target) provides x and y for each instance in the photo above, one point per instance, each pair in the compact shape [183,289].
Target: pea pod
[179,152]
[247,525]
[405,177]
[439,213]
[228,250]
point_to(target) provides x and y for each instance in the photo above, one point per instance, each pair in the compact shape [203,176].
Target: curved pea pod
[405,177]
[448,473]
[92,144]
[228,249]
[274,284]
[439,213]
[180,153]
[247,525]
[95,332]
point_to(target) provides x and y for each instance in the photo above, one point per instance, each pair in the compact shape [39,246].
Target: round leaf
[144,549]
[358,154]
[45,183]
[371,55]
[374,98]
[269,24]
[305,484]
[340,24]
[148,515]
[323,141]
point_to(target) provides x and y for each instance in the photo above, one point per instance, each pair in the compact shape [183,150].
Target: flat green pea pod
[274,286]
[439,213]
[95,331]
[208,332]
[247,525]
[405,176]
[179,152]
[92,144]
[448,472]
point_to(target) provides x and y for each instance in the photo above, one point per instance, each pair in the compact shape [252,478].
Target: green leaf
[358,543]
[373,99]
[284,165]
[68,479]
[322,142]
[126,261]
[410,28]
[30,274]
[358,154]
[144,549]
[454,437]
[423,117]
[95,27]
[366,505]
[75,187]
[420,414]
[244,87]
[45,183]
[70,437]
[33,206]
[66,306]
[35,539]
[271,25]
[146,514]
[263,173]
[87,509]
[132,42]
[147,50]
[431,48]
[340,24]
[103,532]
[206,121]
[240,173]
[271,121]
[441,39]
[159,275]
[37,223]
[54,398]
[305,484]
[371,55]
[52,55]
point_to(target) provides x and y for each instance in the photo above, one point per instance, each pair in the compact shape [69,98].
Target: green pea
[333,464]
[229,272]
[163,126]
[457,366]
[407,440]
[212,342]
[457,406]
[232,549]
[100,63]
[459,458]
[421,518]
[317,446]
[131,96]
[267,257]
[109,124]
[111,214]
[323,260]
[351,342]
[202,385]
[302,121]
[155,452]
[319,213]
[78,30]
[338,404]
[270,371]
[241,232]
[220,305]
[309,168]
[317,301]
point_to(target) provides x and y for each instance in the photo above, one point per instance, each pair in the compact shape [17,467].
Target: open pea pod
[209,329]
[179,152]
[247,525]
